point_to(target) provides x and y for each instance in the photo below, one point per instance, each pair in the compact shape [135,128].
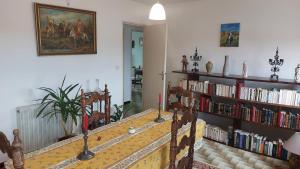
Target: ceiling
[151,2]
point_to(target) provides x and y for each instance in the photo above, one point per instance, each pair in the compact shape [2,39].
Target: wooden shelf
[268,104]
[244,149]
[239,77]
[251,122]
[220,115]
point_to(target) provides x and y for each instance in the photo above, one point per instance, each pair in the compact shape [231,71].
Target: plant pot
[66,137]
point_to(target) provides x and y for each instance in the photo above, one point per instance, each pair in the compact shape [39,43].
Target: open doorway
[133,68]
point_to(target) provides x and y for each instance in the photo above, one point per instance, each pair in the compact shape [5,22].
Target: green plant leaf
[43,107]
[71,88]
[48,113]
[49,90]
[63,82]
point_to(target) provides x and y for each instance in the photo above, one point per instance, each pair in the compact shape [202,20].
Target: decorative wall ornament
[65,31]
[195,58]
[226,66]
[209,67]
[297,74]
[245,70]
[275,63]
[184,63]
[230,35]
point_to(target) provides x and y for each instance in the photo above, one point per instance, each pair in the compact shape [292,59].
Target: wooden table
[117,149]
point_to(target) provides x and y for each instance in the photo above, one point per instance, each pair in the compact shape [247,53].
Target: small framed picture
[230,35]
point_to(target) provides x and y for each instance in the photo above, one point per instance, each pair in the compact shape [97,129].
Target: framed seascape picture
[230,35]
[63,31]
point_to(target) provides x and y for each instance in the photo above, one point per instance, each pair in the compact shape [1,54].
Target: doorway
[133,68]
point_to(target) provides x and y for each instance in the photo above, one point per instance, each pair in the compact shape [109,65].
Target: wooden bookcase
[237,122]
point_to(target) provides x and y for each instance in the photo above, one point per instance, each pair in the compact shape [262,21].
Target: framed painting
[230,35]
[65,31]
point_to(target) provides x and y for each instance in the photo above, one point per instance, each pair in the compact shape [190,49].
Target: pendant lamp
[157,12]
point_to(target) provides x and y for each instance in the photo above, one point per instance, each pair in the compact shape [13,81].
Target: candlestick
[159,119]
[85,154]
[160,99]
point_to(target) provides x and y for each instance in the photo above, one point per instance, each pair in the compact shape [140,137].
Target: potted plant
[59,103]
[120,112]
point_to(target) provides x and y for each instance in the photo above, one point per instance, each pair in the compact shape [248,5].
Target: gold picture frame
[65,31]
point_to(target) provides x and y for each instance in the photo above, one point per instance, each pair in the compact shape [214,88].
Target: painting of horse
[65,31]
[230,35]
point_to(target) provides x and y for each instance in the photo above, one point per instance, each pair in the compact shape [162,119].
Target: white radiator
[37,133]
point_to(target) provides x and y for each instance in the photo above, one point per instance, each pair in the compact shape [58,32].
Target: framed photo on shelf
[65,31]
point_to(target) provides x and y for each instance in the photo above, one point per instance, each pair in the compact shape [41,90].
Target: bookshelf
[240,81]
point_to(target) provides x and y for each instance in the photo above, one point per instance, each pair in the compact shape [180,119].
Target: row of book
[269,117]
[196,86]
[230,110]
[216,133]
[265,116]
[260,144]
[210,88]
[224,90]
[282,96]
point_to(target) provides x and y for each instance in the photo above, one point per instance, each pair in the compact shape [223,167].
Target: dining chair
[13,150]
[92,102]
[184,104]
[138,76]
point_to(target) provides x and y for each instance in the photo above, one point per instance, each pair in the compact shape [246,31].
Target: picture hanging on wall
[65,31]
[230,35]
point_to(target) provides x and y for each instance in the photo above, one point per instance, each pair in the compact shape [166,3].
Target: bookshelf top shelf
[239,77]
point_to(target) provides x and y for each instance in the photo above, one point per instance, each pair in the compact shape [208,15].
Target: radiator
[37,133]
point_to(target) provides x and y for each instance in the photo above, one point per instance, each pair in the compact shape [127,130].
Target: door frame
[123,51]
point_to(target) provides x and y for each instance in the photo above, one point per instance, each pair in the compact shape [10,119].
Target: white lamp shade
[157,12]
[293,144]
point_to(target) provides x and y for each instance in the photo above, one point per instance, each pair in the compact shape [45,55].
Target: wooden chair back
[187,161]
[14,150]
[188,116]
[98,112]
[180,93]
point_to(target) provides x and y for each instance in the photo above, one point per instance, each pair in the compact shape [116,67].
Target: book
[260,144]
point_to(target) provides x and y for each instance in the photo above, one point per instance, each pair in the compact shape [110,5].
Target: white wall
[22,71]
[264,26]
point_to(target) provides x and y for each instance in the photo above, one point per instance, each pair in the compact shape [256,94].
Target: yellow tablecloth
[147,148]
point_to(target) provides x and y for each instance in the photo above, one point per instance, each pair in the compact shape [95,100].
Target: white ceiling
[151,2]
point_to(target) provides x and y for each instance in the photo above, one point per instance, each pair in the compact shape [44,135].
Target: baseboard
[128,102]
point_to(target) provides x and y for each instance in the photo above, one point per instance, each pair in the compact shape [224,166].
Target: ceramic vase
[226,66]
[245,70]
[209,67]
[297,74]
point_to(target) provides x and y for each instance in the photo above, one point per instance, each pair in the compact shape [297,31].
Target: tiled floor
[225,157]
[136,103]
